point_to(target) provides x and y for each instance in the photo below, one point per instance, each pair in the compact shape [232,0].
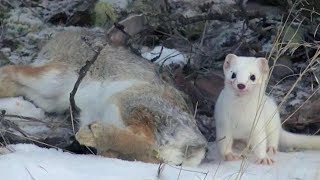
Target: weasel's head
[245,74]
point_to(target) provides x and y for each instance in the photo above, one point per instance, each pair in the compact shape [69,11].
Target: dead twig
[74,110]
[35,140]
[30,174]
[157,57]
[7,123]
[3,112]
[203,33]
[121,27]
[160,170]
[24,117]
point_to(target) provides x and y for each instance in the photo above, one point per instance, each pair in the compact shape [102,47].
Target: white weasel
[243,111]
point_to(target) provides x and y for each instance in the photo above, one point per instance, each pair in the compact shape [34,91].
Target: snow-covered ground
[165,56]
[27,29]
[20,107]
[29,162]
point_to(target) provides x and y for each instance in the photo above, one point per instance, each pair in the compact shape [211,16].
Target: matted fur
[126,109]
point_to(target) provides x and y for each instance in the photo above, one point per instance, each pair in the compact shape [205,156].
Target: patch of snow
[225,1]
[266,47]
[225,34]
[31,162]
[288,165]
[37,124]
[295,102]
[19,106]
[6,51]
[302,94]
[118,4]
[23,19]
[167,56]
[27,28]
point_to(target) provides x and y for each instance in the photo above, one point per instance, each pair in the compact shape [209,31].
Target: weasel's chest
[243,118]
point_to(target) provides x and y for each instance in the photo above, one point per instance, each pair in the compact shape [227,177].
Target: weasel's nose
[241,86]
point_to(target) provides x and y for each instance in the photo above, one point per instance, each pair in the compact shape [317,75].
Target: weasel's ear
[230,58]
[264,66]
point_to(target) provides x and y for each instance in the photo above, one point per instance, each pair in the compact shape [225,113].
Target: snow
[120,4]
[49,164]
[42,127]
[288,165]
[24,18]
[31,162]
[19,106]
[27,28]
[167,56]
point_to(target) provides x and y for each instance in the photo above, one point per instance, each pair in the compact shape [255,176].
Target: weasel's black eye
[252,77]
[234,75]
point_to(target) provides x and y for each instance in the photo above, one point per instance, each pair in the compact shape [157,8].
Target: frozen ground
[34,163]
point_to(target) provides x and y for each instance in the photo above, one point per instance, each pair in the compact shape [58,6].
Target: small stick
[74,109]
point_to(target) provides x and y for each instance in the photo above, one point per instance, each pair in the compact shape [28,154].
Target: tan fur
[110,154]
[10,88]
[15,71]
[135,141]
[141,123]
[26,70]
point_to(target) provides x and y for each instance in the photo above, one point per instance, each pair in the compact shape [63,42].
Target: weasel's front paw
[265,161]
[98,129]
[271,150]
[232,157]
[87,135]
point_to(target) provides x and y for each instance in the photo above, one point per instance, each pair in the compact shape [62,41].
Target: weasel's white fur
[245,112]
